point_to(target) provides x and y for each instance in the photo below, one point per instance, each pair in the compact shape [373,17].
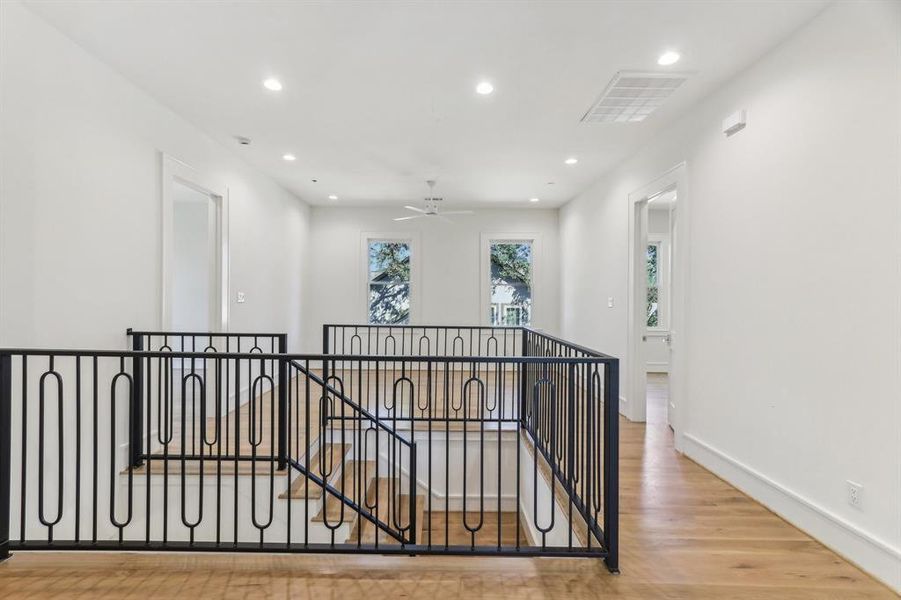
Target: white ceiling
[379,96]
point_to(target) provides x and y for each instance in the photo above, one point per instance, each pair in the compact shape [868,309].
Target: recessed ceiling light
[332,197]
[571,160]
[484,88]
[668,58]
[289,157]
[273,84]
[533,199]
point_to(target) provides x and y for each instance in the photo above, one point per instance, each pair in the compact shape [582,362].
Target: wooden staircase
[378,494]
[342,469]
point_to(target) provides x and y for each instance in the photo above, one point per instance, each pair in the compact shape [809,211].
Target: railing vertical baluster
[23,478]
[571,443]
[6,383]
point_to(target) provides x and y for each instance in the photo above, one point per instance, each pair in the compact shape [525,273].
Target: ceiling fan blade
[408,218]
[413,208]
[457,212]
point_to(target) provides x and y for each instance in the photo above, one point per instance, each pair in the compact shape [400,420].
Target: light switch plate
[609,301]
[240,297]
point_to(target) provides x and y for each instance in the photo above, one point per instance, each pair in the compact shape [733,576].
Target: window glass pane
[511,283]
[653,284]
[389,282]
[389,262]
[389,303]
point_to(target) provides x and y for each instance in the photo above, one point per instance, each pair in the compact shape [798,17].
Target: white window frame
[485,273]
[404,238]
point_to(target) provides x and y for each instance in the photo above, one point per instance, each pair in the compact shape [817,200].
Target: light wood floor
[685,534]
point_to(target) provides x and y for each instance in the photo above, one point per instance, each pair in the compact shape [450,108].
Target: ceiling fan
[431,208]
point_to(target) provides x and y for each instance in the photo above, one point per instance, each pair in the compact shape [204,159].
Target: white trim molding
[871,553]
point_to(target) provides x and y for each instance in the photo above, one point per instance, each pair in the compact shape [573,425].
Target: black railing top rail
[525,329]
[409,326]
[570,345]
[131,331]
[308,357]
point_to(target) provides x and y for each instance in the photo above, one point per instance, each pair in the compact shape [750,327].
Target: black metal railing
[192,370]
[227,442]
[487,381]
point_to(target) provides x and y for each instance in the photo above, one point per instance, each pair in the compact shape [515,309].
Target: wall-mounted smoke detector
[631,96]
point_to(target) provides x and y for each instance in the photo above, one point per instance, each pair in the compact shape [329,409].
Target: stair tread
[299,490]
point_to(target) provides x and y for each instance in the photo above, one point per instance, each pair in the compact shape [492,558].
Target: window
[389,282]
[653,269]
[510,300]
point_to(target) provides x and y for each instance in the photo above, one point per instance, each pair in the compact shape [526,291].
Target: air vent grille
[631,96]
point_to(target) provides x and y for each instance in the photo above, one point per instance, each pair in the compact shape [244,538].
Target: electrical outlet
[240,297]
[855,494]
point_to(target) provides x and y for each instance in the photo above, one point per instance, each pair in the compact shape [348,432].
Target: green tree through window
[389,282]
[653,285]
[511,283]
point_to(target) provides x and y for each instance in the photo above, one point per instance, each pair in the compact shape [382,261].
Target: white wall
[80,202]
[658,220]
[793,330]
[449,258]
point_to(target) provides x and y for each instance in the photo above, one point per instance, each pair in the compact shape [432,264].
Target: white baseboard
[872,554]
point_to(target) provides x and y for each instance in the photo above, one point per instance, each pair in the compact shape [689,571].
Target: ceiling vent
[631,96]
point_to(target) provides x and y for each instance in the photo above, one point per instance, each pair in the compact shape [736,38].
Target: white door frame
[635,374]
[174,170]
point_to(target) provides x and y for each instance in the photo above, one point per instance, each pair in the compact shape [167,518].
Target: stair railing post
[523,377]
[611,463]
[325,351]
[282,402]
[135,435]
[6,383]
[323,408]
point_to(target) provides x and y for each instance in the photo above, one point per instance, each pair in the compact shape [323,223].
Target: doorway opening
[655,304]
[196,270]
[194,282]
[656,340]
